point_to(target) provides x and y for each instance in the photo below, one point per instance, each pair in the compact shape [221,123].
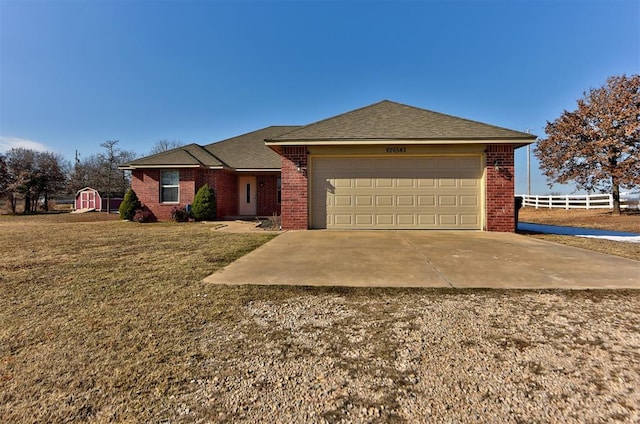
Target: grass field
[97,313]
[109,321]
[628,221]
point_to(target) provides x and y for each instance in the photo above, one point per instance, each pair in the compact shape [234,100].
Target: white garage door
[396,193]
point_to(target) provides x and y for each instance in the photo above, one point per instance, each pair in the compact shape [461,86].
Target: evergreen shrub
[204,204]
[130,204]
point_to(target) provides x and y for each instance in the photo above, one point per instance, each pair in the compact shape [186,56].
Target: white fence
[577,201]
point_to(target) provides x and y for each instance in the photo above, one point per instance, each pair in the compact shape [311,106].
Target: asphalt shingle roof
[248,151]
[385,120]
[189,155]
[389,120]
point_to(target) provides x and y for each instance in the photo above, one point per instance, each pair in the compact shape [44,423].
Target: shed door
[397,193]
[87,200]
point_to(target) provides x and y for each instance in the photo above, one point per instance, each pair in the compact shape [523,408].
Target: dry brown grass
[108,321]
[596,218]
[102,318]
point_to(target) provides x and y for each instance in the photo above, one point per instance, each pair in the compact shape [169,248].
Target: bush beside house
[130,204]
[204,204]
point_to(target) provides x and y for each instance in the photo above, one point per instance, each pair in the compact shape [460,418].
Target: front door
[247,194]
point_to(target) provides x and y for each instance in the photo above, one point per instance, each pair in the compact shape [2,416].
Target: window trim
[167,186]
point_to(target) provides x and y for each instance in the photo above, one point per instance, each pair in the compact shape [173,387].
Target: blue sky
[76,73]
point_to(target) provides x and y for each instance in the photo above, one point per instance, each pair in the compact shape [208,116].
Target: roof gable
[189,156]
[387,120]
[248,151]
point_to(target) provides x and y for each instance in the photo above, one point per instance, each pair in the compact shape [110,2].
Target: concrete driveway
[426,259]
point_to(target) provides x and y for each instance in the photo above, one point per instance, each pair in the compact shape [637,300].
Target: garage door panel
[384,219]
[342,182]
[427,220]
[364,201]
[342,219]
[426,182]
[426,200]
[384,200]
[405,183]
[342,201]
[406,220]
[364,219]
[447,183]
[404,201]
[469,219]
[470,201]
[401,193]
[384,182]
[448,220]
[447,201]
[468,183]
[364,182]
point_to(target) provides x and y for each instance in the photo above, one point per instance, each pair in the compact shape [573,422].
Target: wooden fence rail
[574,201]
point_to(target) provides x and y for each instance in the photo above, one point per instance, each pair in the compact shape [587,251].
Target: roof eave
[131,167]
[521,141]
[258,169]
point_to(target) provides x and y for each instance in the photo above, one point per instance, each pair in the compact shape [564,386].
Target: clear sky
[74,74]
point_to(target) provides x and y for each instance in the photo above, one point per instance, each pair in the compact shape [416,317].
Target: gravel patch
[423,356]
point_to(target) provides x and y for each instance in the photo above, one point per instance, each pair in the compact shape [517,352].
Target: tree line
[596,146]
[31,179]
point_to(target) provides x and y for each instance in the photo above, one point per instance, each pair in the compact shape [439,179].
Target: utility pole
[528,166]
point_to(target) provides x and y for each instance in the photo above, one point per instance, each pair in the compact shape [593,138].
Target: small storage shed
[89,198]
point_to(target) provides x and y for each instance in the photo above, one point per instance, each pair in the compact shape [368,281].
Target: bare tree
[50,177]
[5,179]
[165,145]
[93,171]
[111,166]
[33,175]
[598,145]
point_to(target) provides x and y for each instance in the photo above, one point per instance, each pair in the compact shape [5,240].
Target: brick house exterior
[384,166]
[223,166]
[320,190]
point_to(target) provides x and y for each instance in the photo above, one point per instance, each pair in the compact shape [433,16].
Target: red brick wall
[146,184]
[267,195]
[225,185]
[294,207]
[500,188]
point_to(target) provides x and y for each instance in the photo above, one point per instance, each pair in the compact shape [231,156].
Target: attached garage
[439,192]
[394,166]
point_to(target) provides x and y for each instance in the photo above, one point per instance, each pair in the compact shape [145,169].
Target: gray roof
[191,155]
[246,151]
[384,121]
[389,120]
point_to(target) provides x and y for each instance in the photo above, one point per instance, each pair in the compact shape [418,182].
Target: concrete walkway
[457,259]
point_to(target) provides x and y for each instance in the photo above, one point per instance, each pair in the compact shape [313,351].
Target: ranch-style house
[383,166]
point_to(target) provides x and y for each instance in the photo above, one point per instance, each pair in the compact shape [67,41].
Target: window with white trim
[169,186]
